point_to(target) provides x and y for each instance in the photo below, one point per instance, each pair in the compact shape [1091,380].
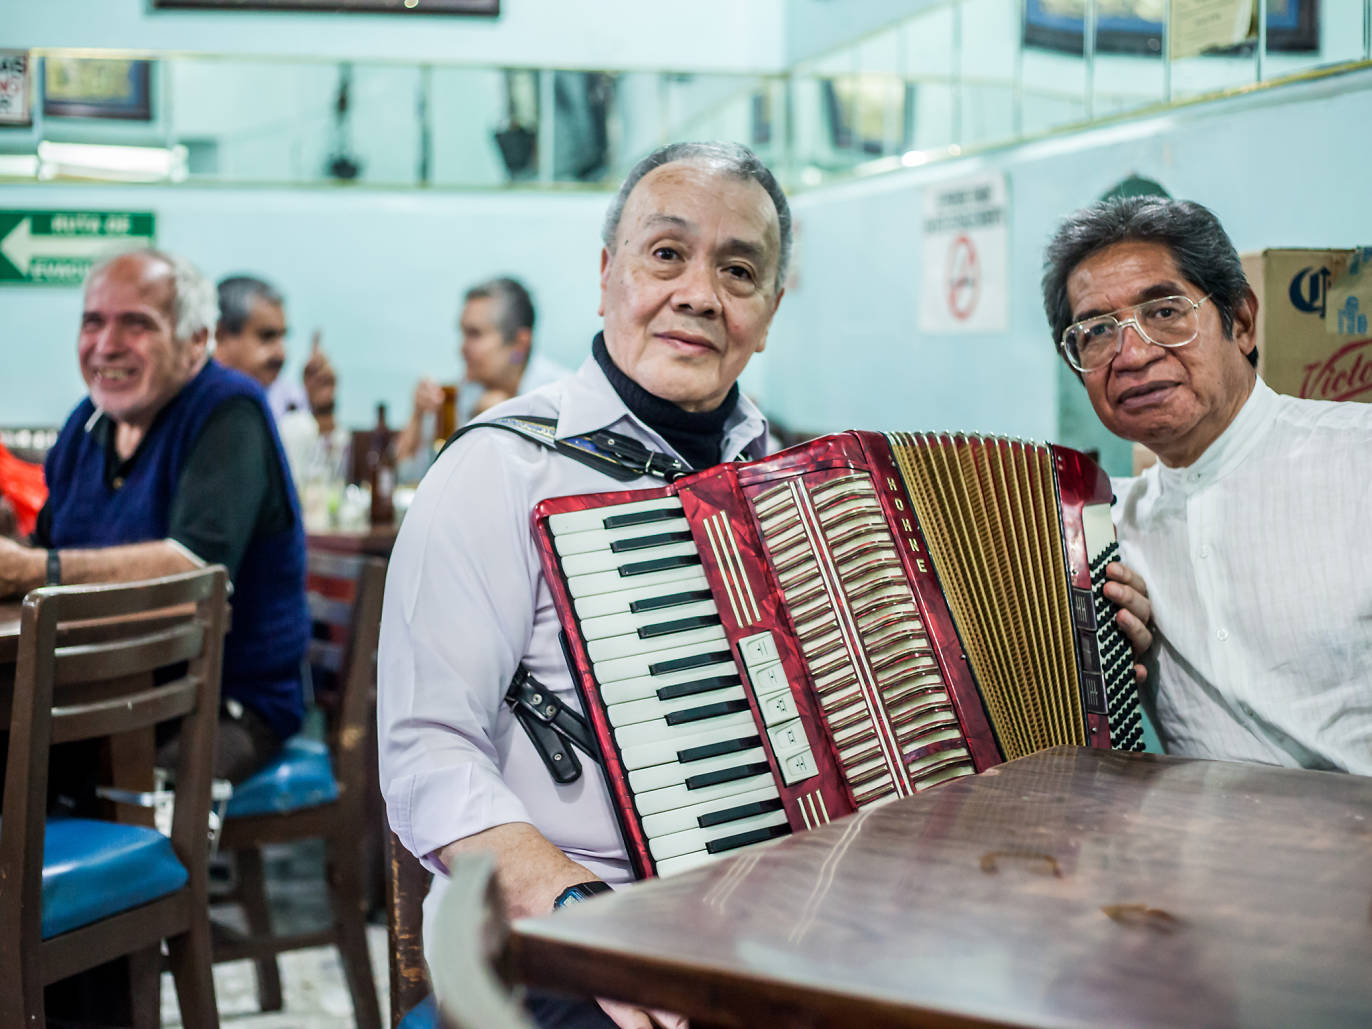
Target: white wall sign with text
[966,278]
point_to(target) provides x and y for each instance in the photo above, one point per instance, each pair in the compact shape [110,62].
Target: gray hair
[730,158]
[192,307]
[237,294]
[514,307]
[1201,248]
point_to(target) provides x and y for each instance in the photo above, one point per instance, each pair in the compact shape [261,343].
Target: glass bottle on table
[381,470]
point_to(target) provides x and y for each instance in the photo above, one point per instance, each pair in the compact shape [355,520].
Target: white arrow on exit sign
[21,246]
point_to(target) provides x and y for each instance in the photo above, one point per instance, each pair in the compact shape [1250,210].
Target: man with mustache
[251,334]
[171,463]
[1251,530]
[695,251]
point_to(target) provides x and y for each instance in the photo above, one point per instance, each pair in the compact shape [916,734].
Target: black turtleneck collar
[698,436]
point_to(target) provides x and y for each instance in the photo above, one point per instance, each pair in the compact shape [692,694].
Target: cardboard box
[1314,308]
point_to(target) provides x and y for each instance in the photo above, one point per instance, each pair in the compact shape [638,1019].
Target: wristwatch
[581,891]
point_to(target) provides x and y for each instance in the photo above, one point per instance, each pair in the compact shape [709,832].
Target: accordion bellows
[764,647]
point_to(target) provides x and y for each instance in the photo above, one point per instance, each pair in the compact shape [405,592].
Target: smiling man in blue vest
[172,462]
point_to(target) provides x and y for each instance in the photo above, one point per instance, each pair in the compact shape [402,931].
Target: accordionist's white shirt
[466,603]
[1258,558]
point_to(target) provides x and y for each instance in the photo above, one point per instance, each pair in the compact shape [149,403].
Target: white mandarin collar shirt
[1258,559]
[466,603]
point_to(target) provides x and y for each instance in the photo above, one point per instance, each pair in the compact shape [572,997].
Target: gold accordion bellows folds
[764,647]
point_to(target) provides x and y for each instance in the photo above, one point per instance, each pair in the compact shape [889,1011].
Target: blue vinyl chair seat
[300,776]
[423,1015]
[94,869]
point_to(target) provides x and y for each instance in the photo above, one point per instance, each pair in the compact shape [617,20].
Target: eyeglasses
[1166,322]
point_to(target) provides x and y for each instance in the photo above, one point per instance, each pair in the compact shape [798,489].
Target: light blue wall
[379,273]
[846,350]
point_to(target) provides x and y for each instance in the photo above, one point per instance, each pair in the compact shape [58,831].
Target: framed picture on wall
[16,89]
[1135,26]
[83,87]
[490,8]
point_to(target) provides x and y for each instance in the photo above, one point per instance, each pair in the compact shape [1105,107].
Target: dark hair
[236,296]
[514,307]
[731,158]
[1201,248]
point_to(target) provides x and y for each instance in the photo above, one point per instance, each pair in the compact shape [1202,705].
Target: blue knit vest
[264,649]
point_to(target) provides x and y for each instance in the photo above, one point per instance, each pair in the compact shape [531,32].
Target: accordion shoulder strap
[552,726]
[620,457]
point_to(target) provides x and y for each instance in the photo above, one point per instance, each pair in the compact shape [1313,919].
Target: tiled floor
[314,992]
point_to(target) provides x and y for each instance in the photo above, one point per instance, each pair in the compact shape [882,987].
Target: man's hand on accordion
[1135,618]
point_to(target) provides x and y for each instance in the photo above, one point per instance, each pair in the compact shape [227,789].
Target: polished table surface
[1073,887]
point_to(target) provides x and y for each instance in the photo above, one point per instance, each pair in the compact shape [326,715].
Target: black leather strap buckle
[552,726]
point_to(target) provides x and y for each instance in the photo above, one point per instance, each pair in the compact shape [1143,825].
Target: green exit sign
[59,247]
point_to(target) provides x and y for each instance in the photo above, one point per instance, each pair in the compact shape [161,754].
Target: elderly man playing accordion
[695,251]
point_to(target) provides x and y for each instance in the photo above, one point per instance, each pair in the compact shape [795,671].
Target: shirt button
[1204,550]
[1222,635]
[118,482]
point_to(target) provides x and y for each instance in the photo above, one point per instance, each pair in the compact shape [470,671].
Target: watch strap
[581,892]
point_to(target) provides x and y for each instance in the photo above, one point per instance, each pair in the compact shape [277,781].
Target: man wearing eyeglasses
[1251,531]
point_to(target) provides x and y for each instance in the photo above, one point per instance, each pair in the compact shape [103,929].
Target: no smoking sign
[964,280]
[963,277]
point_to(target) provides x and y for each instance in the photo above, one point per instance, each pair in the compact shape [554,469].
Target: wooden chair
[313,790]
[407,882]
[75,892]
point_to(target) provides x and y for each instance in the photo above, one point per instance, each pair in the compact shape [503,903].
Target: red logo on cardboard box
[1345,375]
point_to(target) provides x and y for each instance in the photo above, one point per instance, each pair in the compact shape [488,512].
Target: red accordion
[765,647]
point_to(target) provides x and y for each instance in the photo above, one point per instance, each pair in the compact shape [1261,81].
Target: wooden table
[1073,887]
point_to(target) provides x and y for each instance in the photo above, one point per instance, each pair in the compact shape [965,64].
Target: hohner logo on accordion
[764,647]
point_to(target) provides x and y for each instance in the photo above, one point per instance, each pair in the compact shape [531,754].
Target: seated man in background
[695,251]
[171,463]
[497,327]
[1251,531]
[250,337]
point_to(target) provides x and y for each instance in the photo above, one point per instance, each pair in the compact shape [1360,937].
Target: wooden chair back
[407,883]
[344,598]
[86,665]
[344,595]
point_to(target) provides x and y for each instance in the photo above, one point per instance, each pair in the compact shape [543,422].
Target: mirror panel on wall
[952,78]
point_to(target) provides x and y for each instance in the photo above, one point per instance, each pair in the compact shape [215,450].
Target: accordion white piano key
[607,560]
[667,822]
[612,581]
[602,605]
[623,622]
[669,798]
[692,840]
[636,711]
[667,748]
[594,518]
[675,737]
[649,685]
[569,544]
[612,648]
[659,662]
[677,865]
[674,773]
